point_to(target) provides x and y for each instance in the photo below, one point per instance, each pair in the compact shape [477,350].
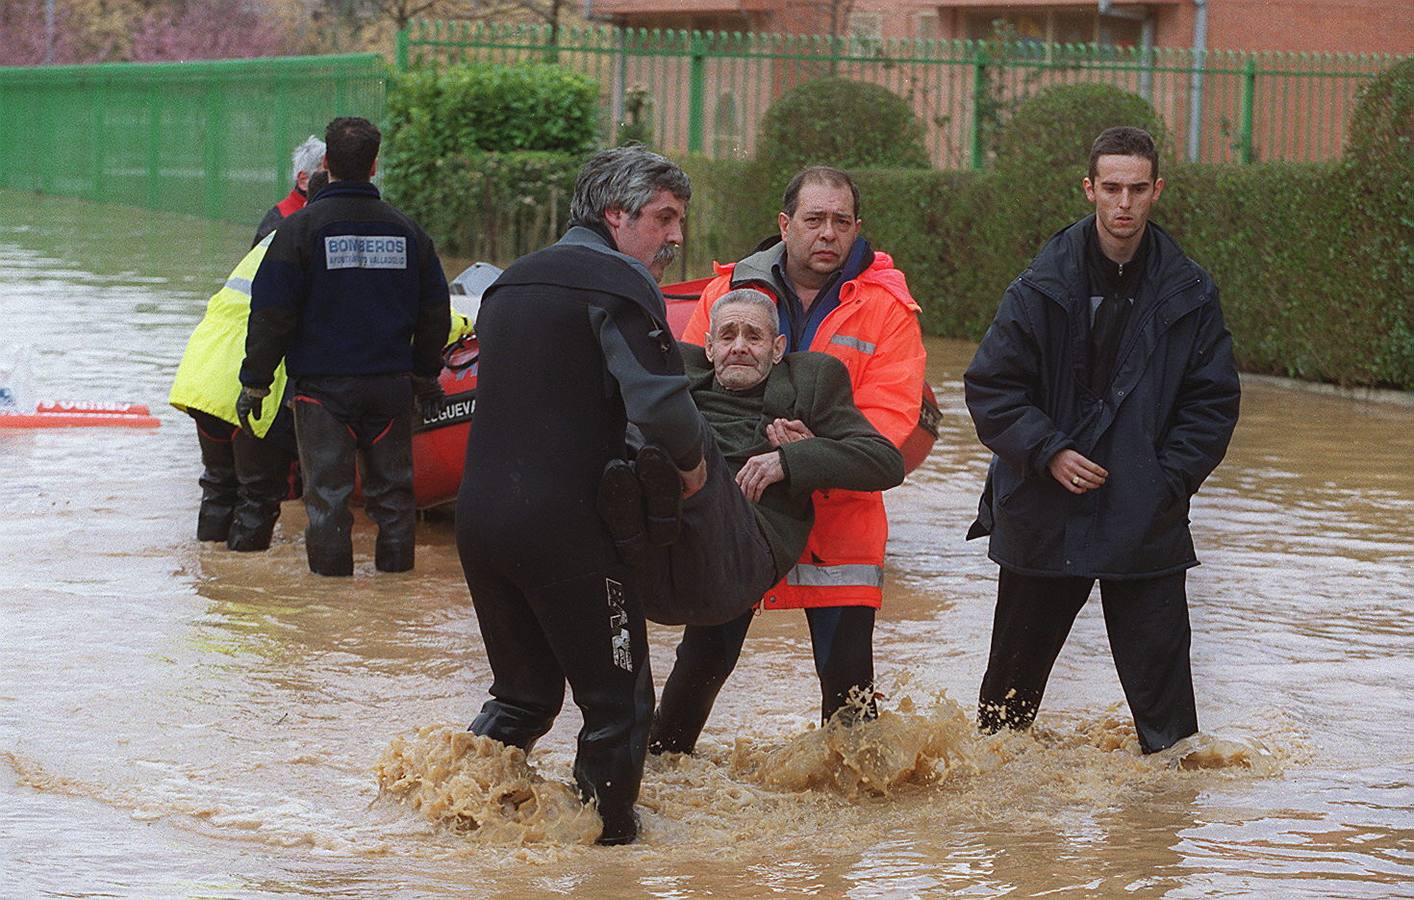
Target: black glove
[429,396]
[249,404]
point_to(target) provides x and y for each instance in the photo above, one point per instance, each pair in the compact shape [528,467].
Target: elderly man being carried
[784,426]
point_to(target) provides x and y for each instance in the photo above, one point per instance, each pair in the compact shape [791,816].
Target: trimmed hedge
[1313,260]
[485,156]
[840,122]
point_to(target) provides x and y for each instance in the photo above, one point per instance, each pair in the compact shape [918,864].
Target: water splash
[472,784]
[855,757]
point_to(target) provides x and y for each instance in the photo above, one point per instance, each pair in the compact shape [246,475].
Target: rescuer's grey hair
[307,158]
[625,178]
[745,297]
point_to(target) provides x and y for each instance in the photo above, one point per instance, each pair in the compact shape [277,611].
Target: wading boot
[620,820]
[662,494]
[393,557]
[620,827]
[213,522]
[251,530]
[219,484]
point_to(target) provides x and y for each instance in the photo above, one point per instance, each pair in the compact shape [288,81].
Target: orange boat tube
[81,414]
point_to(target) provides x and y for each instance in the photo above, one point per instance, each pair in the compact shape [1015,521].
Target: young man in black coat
[1107,391]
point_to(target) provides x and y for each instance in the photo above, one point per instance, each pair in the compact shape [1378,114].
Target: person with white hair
[307,159]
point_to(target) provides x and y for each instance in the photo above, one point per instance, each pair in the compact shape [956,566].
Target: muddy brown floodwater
[176,720]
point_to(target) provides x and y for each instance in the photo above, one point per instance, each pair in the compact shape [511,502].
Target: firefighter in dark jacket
[351,294]
[575,347]
[1107,391]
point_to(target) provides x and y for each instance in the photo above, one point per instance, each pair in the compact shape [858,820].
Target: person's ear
[1089,189]
[1158,188]
[782,220]
[614,218]
[778,348]
[707,345]
[373,170]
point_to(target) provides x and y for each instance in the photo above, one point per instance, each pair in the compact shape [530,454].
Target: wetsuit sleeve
[999,385]
[643,359]
[889,391]
[1205,412]
[276,295]
[846,452]
[434,313]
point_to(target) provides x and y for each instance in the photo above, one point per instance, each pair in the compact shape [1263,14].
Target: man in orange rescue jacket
[837,295]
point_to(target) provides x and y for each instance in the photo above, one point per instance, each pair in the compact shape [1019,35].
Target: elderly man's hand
[759,473]
[787,431]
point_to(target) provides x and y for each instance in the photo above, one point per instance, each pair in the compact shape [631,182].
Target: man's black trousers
[1147,624]
[338,419]
[841,636]
[588,630]
[244,479]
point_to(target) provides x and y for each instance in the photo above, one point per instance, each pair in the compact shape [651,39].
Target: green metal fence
[206,138]
[707,91]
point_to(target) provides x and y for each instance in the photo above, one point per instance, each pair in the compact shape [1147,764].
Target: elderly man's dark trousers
[841,636]
[1147,624]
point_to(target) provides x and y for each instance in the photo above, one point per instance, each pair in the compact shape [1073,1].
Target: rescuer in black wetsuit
[575,347]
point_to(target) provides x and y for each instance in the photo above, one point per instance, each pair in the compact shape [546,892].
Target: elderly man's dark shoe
[662,494]
[620,505]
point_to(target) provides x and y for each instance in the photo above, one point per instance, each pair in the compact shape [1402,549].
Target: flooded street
[178,720]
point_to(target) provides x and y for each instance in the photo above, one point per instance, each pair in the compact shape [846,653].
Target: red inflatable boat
[439,445]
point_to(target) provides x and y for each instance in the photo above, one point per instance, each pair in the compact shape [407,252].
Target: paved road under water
[176,720]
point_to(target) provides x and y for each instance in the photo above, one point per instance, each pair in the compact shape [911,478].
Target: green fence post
[697,94]
[214,155]
[1249,88]
[979,102]
[401,53]
[154,142]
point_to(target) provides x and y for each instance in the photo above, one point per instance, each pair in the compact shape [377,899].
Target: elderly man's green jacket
[846,453]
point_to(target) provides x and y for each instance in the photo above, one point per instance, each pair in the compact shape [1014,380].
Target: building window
[1055,26]
[866,33]
[928,26]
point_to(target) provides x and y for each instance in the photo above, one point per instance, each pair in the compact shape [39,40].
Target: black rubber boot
[219,484]
[390,557]
[621,822]
[620,827]
[612,746]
